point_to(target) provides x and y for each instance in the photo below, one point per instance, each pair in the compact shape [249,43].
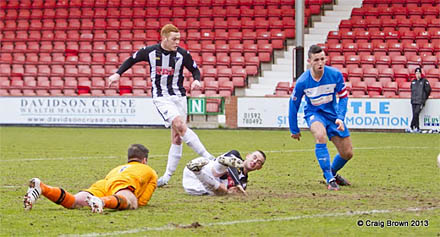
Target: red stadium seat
[352,61]
[405,90]
[401,72]
[390,90]
[433,73]
[383,62]
[84,87]
[398,61]
[337,60]
[367,61]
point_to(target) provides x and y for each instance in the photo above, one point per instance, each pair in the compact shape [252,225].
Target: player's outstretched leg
[197,164]
[32,194]
[55,194]
[231,161]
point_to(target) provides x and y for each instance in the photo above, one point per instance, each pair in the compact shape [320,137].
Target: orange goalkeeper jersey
[141,179]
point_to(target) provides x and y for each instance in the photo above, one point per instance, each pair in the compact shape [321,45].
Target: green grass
[389,171]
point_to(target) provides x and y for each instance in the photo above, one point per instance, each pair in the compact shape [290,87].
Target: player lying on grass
[125,187]
[322,86]
[228,173]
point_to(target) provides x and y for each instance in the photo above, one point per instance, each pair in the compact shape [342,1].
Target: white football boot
[162,181]
[197,164]
[95,203]
[32,194]
[231,161]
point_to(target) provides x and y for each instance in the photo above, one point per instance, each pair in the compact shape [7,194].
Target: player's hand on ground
[241,189]
[340,125]
[296,136]
[113,78]
[195,85]
[237,190]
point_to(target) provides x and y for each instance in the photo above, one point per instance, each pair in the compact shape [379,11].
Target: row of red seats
[388,36]
[20,70]
[98,87]
[382,48]
[162,12]
[137,37]
[206,58]
[378,73]
[389,90]
[386,23]
[396,61]
[373,89]
[39,4]
[87,30]
[401,82]
[401,3]
[396,10]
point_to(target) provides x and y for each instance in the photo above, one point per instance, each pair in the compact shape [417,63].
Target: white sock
[208,181]
[193,141]
[219,168]
[174,156]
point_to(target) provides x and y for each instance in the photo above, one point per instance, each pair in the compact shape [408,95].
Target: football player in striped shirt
[326,104]
[226,174]
[167,61]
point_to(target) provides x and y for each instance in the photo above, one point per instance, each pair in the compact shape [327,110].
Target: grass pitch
[395,180]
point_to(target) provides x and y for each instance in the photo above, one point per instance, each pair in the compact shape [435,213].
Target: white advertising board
[79,111]
[361,113]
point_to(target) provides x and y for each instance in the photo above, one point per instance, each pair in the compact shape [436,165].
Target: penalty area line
[289,218]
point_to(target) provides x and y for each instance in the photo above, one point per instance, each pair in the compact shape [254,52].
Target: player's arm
[191,65]
[140,55]
[343,101]
[294,104]
[238,186]
[427,88]
[150,187]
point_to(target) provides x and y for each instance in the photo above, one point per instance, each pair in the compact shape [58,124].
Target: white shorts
[192,185]
[170,107]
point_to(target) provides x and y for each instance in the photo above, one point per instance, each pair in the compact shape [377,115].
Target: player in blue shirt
[324,115]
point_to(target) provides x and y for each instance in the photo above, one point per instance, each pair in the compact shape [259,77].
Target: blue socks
[323,157]
[337,164]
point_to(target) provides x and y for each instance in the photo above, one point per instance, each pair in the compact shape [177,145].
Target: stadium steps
[282,69]
[330,21]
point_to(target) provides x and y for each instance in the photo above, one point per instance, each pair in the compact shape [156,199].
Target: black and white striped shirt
[166,68]
[235,176]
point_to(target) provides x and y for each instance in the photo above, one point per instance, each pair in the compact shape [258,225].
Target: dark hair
[418,70]
[137,152]
[314,49]
[262,153]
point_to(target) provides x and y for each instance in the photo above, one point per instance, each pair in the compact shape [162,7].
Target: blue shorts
[329,125]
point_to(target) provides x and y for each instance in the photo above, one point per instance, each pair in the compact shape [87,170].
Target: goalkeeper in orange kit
[127,186]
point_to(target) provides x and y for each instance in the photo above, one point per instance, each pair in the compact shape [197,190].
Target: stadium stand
[382,43]
[77,44]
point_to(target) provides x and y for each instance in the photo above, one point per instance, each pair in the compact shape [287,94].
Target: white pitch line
[10,186]
[153,156]
[73,158]
[289,218]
